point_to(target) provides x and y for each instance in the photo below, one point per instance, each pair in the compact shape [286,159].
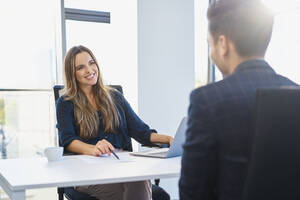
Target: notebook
[175,148]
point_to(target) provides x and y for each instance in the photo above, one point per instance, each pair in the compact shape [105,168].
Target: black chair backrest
[57,89]
[274,168]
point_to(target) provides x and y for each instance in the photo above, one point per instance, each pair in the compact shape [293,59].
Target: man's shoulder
[210,90]
[237,86]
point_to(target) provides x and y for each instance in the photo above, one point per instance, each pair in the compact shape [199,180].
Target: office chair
[70,193]
[274,168]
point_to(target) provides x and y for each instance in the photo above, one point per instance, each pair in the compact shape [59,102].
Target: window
[201,46]
[27,44]
[284,48]
[28,71]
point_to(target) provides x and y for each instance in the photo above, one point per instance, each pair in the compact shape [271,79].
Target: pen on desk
[114,154]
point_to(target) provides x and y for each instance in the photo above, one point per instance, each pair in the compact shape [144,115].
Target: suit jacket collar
[253,65]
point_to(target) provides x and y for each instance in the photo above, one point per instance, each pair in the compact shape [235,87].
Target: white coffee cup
[54,153]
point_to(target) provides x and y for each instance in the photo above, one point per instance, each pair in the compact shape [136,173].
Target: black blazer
[220,128]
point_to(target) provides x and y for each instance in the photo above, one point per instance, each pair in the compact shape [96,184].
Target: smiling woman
[86,89]
[94,119]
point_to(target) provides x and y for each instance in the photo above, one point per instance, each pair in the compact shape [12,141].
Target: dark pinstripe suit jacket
[220,128]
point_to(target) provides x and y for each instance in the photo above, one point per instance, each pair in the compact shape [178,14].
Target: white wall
[165,65]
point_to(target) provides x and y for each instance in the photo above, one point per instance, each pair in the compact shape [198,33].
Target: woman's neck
[90,96]
[87,90]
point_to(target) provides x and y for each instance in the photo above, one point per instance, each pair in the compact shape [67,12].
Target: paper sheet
[106,159]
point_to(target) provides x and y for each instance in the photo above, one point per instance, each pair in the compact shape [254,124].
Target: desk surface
[22,174]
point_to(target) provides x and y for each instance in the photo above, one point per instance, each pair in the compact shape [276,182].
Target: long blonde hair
[85,115]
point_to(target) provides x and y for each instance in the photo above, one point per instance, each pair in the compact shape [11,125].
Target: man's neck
[234,63]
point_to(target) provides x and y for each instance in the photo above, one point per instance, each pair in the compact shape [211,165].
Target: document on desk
[106,159]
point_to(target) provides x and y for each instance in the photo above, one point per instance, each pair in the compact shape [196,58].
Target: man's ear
[223,44]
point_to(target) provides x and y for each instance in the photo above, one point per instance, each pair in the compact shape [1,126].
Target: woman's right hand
[102,147]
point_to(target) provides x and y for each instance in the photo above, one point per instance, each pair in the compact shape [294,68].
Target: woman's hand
[102,147]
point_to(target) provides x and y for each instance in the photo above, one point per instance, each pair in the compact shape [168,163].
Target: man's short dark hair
[247,23]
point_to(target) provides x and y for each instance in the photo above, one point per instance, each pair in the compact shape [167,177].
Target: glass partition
[27,123]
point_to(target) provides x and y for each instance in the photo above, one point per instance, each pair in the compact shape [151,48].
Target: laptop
[175,148]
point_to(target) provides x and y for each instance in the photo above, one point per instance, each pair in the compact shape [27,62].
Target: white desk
[18,175]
